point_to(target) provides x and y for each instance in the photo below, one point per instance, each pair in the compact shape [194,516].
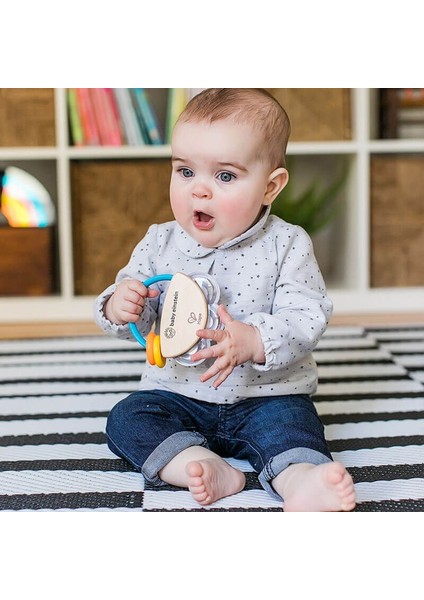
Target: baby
[251,398]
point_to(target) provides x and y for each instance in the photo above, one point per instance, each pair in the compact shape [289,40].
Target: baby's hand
[236,344]
[128,301]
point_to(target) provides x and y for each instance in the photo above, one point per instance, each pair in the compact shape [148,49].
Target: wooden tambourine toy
[190,304]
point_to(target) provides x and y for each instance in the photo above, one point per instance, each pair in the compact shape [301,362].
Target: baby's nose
[202,190]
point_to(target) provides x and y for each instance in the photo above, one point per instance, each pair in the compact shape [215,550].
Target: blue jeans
[149,428]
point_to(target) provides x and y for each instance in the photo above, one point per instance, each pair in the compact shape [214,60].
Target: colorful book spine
[139,117]
[411,96]
[113,120]
[177,100]
[77,132]
[130,125]
[109,131]
[401,113]
[112,101]
[147,114]
[91,134]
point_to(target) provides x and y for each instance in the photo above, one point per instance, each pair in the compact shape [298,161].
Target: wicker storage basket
[27,117]
[113,205]
[26,261]
[317,114]
[397,221]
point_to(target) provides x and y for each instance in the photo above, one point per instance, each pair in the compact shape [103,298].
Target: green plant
[312,209]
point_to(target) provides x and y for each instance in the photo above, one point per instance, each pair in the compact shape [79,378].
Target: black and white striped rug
[55,395]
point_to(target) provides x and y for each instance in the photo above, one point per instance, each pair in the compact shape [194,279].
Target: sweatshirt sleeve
[301,309]
[140,266]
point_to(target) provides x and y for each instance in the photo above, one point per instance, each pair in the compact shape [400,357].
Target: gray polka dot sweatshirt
[268,277]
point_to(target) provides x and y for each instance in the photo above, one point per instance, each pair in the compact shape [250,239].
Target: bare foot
[307,487]
[213,478]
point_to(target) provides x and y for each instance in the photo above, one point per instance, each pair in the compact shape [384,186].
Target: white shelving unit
[349,287]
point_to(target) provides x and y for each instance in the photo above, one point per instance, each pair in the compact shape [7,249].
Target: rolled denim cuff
[166,451]
[278,463]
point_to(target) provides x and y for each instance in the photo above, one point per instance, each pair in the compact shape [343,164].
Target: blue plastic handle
[133,327]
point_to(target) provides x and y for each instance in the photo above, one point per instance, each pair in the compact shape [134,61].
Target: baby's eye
[226,177]
[185,172]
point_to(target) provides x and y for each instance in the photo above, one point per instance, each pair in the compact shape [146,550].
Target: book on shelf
[77,133]
[107,124]
[115,116]
[89,125]
[118,116]
[411,121]
[410,96]
[146,116]
[139,117]
[177,100]
[401,113]
[131,128]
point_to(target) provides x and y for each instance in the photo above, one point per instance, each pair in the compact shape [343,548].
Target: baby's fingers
[222,377]
[217,369]
[151,293]
[137,292]
[216,335]
[133,297]
[211,351]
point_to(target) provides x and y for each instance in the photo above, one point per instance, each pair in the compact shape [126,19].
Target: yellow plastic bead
[149,348]
[159,359]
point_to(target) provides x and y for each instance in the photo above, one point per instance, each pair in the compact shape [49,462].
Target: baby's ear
[277,180]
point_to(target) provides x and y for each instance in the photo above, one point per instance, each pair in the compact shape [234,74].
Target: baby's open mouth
[203,220]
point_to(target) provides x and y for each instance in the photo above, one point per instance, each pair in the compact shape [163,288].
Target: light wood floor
[40,330]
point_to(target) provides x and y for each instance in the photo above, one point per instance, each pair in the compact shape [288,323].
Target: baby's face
[218,181]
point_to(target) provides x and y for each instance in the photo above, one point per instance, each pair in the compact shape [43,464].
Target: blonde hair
[252,106]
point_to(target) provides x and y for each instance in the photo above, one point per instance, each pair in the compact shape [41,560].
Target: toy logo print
[193,319]
[169,333]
